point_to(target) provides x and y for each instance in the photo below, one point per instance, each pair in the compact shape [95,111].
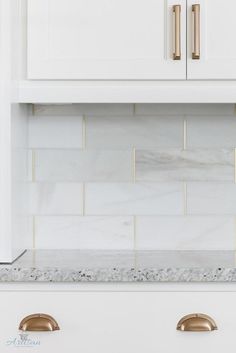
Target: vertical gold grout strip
[185,198]
[33,166]
[33,109]
[185,135]
[134,109]
[84,132]
[83,199]
[134,164]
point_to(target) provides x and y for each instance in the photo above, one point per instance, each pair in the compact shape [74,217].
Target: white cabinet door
[104,39]
[217,40]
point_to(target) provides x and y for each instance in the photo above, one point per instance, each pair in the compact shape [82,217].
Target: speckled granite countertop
[121,266]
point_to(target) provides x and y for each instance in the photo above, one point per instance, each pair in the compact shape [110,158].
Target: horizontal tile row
[145,132]
[106,199]
[119,199]
[172,233]
[126,132]
[122,132]
[139,109]
[121,165]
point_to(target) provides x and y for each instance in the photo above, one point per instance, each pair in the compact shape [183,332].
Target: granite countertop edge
[78,266]
[175,275]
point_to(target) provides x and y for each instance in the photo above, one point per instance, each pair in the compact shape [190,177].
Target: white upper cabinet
[131,39]
[212,26]
[106,39]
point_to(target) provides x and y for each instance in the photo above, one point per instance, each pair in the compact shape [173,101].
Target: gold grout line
[33,109]
[235,165]
[33,166]
[134,164]
[185,134]
[83,199]
[84,132]
[134,109]
[185,199]
[34,232]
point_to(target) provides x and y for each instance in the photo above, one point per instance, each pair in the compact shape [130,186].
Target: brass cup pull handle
[177,32]
[39,322]
[196,323]
[196,31]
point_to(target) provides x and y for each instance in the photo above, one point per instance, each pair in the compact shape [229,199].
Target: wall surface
[132,176]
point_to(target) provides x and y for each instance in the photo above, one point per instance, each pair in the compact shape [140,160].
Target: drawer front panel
[132,322]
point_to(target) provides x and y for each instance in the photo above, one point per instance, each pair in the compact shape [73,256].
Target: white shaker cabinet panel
[105,39]
[211,34]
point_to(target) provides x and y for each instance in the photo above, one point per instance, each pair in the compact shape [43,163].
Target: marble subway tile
[185,233]
[184,109]
[55,132]
[83,166]
[211,132]
[185,165]
[134,199]
[139,132]
[99,109]
[211,198]
[84,232]
[56,198]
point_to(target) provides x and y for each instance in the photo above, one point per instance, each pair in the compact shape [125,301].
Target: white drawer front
[117,322]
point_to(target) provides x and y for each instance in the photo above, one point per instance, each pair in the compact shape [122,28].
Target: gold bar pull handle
[196,31]
[177,33]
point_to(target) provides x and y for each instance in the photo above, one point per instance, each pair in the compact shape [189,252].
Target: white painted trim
[119,287]
[127,91]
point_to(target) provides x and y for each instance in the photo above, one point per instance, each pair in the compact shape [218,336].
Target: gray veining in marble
[185,165]
[121,266]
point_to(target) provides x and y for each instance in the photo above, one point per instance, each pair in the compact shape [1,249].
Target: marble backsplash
[124,176]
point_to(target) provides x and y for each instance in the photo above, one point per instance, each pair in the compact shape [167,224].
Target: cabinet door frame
[42,66]
[207,67]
